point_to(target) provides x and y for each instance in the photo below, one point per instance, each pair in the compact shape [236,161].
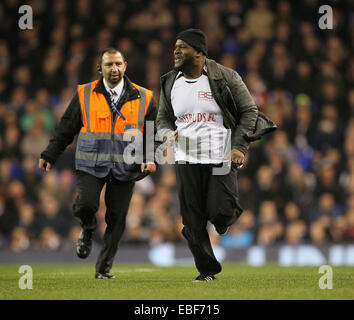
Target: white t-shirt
[202,136]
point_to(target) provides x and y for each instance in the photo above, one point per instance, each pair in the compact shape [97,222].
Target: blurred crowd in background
[298,183]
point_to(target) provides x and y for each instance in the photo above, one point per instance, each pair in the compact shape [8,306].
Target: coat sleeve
[69,126]
[163,120]
[150,145]
[247,113]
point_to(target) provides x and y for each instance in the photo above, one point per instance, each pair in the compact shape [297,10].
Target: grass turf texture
[148,282]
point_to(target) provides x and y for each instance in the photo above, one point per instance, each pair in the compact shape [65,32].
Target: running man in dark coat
[207,110]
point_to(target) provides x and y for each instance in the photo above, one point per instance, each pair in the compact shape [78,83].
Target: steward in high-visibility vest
[115,123]
[104,136]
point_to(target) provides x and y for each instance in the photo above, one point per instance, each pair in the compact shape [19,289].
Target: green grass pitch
[148,282]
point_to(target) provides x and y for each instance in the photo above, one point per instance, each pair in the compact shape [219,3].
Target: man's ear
[99,69]
[199,54]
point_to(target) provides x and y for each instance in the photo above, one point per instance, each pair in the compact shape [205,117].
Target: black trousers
[205,197]
[117,198]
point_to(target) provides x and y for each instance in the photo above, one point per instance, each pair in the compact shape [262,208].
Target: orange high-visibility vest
[97,116]
[100,142]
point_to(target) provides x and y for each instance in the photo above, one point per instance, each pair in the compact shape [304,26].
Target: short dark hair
[109,50]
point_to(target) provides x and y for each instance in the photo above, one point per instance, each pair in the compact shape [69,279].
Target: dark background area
[298,183]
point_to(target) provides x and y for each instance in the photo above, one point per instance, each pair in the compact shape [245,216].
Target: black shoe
[204,277]
[221,230]
[104,276]
[84,244]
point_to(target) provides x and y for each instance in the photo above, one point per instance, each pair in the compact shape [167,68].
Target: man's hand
[44,165]
[237,158]
[150,166]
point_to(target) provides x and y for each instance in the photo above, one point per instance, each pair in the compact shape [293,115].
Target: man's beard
[116,79]
[185,65]
[179,68]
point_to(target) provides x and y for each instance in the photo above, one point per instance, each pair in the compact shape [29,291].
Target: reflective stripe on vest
[87,95]
[101,157]
[141,113]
